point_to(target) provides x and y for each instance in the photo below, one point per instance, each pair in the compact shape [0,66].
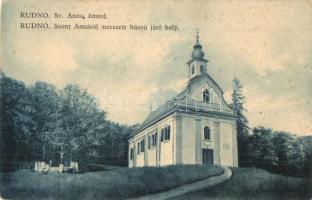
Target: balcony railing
[194,105]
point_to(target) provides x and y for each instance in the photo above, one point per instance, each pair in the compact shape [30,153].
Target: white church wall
[140,157]
[216,136]
[166,147]
[188,139]
[151,151]
[226,143]
[209,144]
[207,123]
[222,133]
[222,142]
[152,157]
[140,160]
[215,93]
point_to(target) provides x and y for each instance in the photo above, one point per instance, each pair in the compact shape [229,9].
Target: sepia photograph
[155,99]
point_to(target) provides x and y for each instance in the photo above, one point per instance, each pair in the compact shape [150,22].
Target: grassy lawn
[248,183]
[114,184]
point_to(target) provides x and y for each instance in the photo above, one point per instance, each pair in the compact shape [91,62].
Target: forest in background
[41,123]
[277,151]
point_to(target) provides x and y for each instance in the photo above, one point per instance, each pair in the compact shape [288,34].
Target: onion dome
[197,52]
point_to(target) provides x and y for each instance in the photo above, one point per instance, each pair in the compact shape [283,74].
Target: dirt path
[211,181]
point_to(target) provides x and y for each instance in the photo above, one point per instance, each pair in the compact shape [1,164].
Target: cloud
[48,60]
[265,44]
[278,111]
[53,56]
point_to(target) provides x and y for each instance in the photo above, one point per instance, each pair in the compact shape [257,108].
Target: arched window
[193,69]
[207,133]
[206,95]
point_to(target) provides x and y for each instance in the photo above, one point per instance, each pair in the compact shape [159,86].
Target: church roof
[176,105]
[183,104]
[154,116]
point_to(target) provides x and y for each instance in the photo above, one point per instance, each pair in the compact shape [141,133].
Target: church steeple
[197,52]
[197,64]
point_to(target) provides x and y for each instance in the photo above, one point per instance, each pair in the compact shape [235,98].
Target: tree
[16,124]
[261,149]
[44,100]
[40,122]
[307,142]
[79,122]
[290,152]
[238,101]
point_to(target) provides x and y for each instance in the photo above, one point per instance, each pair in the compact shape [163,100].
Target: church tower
[198,64]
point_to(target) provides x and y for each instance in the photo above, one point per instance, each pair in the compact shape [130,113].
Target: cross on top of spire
[197,36]
[197,52]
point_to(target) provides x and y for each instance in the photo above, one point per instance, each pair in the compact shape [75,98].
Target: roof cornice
[201,59]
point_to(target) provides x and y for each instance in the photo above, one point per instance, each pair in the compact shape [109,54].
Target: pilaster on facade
[146,148]
[178,137]
[198,140]
[216,131]
[158,145]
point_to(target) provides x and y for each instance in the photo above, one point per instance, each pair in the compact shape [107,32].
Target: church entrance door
[208,156]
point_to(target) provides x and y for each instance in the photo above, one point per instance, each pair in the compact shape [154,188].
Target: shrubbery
[277,151]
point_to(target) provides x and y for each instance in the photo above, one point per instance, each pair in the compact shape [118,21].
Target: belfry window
[193,69]
[206,133]
[202,70]
[206,95]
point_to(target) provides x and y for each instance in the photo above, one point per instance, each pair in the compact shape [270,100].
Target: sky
[267,45]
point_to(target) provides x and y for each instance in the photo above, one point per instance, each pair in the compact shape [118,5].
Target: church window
[207,133]
[142,145]
[152,140]
[193,69]
[206,95]
[131,154]
[165,134]
[202,70]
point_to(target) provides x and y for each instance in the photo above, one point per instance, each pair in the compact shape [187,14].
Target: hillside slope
[114,184]
[251,183]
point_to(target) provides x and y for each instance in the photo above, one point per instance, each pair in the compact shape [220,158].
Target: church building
[195,127]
